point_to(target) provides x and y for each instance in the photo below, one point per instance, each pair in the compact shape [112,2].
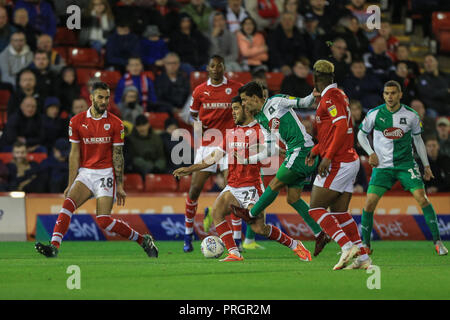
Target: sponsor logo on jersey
[216,105]
[238,145]
[393,133]
[95,140]
[106,126]
[207,93]
[332,111]
[85,126]
[274,124]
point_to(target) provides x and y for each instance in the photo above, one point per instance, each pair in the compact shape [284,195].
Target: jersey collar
[331,86]
[251,124]
[89,115]
[209,83]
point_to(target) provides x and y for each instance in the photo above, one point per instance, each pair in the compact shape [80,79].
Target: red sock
[63,222]
[330,225]
[224,231]
[191,210]
[120,227]
[350,228]
[236,224]
[279,236]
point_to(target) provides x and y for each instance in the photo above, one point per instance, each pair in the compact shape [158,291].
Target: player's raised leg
[430,219]
[198,181]
[106,222]
[219,211]
[77,195]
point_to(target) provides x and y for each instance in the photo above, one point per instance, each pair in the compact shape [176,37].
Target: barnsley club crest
[106,126]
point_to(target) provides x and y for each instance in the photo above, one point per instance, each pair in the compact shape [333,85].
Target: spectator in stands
[433,87]
[324,13]
[24,175]
[223,42]
[260,77]
[264,12]
[45,43]
[78,105]
[165,15]
[146,149]
[120,46]
[6,29]
[296,84]
[363,86]
[129,105]
[45,77]
[153,48]
[87,88]
[377,61]
[341,58]
[235,14]
[55,168]
[16,56]
[401,75]
[428,123]
[172,85]
[402,54]
[53,126]
[200,11]
[42,17]
[252,46]
[315,37]
[285,44]
[190,44]
[391,41]
[440,166]
[25,125]
[359,9]
[67,88]
[135,76]
[137,15]
[98,23]
[182,145]
[4,173]
[357,43]
[443,130]
[25,88]
[21,22]
[292,6]
[357,114]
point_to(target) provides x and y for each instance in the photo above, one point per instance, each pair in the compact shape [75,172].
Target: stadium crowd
[157,44]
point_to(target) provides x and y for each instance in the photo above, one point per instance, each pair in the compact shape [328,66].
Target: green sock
[249,234]
[431,220]
[366,226]
[264,201]
[303,210]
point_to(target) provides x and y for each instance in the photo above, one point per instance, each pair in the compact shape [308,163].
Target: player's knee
[258,229]
[292,198]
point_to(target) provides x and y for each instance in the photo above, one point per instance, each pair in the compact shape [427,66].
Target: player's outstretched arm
[118,164]
[308,101]
[211,159]
[74,164]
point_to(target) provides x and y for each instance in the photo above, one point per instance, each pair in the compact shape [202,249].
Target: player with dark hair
[276,115]
[395,126]
[244,181]
[211,106]
[333,185]
[96,170]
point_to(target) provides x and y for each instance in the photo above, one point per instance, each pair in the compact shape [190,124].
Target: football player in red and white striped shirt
[96,170]
[333,186]
[210,105]
[244,182]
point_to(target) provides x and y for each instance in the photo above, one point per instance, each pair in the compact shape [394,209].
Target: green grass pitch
[121,270]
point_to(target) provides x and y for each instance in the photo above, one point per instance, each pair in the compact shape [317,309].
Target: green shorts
[294,172]
[410,179]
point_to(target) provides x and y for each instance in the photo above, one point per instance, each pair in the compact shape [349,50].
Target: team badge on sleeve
[332,111]
[70,131]
[122,134]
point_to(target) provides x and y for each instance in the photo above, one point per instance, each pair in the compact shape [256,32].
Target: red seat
[133,182]
[84,74]
[4,97]
[198,77]
[242,77]
[274,80]
[62,52]
[157,119]
[440,21]
[160,183]
[84,57]
[65,37]
[444,41]
[110,77]
[184,184]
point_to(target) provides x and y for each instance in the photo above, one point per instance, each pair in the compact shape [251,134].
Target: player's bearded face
[238,113]
[100,101]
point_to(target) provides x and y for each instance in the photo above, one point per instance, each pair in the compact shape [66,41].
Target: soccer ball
[212,247]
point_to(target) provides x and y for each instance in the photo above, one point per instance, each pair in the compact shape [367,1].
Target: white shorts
[100,182]
[245,195]
[341,178]
[203,152]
